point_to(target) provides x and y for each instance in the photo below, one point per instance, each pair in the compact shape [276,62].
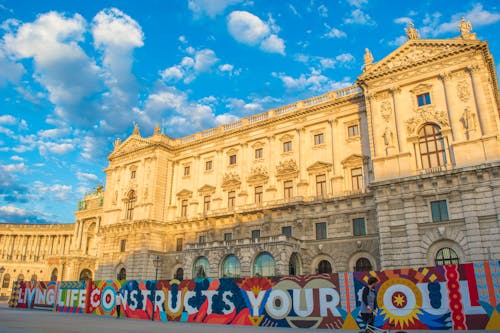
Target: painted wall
[456,297]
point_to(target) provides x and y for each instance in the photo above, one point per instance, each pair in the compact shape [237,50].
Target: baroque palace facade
[402,169]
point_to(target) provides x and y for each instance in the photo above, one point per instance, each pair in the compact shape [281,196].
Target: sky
[76,75]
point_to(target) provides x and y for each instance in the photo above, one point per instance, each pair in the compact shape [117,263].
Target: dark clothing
[368,319]
[368,306]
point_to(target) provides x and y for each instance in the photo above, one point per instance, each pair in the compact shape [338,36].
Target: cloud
[357,3]
[89,177]
[210,8]
[55,148]
[359,17]
[403,20]
[190,67]
[478,16]
[11,72]
[293,10]
[11,190]
[248,29]
[334,33]
[314,81]
[8,120]
[323,11]
[58,191]
[17,158]
[345,58]
[53,133]
[12,214]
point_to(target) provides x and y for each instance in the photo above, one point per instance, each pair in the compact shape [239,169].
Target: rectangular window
[359,226]
[287,188]
[259,153]
[208,165]
[228,236]
[353,130]
[321,230]
[202,239]
[255,234]
[206,203]
[424,99]
[321,185]
[287,146]
[184,208]
[231,197]
[439,211]
[319,139]
[179,244]
[357,179]
[258,194]
[132,174]
[186,170]
[232,159]
[287,231]
[123,245]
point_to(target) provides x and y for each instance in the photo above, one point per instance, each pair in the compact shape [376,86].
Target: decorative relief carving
[258,174]
[206,189]
[424,115]
[129,146]
[184,194]
[287,168]
[386,110]
[231,179]
[387,136]
[469,121]
[319,166]
[463,91]
[465,29]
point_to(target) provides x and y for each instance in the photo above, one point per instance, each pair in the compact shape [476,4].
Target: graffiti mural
[453,297]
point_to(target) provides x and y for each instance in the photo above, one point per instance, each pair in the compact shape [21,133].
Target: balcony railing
[242,242]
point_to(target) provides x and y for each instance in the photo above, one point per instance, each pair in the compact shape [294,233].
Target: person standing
[369,303]
[118,303]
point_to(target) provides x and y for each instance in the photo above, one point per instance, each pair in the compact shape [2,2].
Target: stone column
[444,79]
[472,70]
[397,121]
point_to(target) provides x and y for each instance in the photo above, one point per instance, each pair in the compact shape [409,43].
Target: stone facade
[384,174]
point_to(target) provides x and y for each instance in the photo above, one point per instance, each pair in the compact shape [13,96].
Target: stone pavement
[39,321]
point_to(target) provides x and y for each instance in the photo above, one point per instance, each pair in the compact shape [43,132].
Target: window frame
[353,130]
[286,230]
[208,165]
[319,139]
[123,245]
[357,179]
[206,203]
[356,223]
[255,234]
[184,207]
[287,146]
[424,99]
[231,199]
[439,215]
[233,159]
[287,189]
[258,196]
[321,185]
[321,233]
[179,244]
[259,153]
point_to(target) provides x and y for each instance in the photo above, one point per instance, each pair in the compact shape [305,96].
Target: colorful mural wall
[454,297]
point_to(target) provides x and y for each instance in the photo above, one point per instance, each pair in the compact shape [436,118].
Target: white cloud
[113,28]
[226,68]
[334,33]
[210,8]
[53,133]
[314,81]
[327,62]
[173,73]
[357,3]
[82,176]
[17,158]
[323,11]
[359,17]
[204,60]
[9,168]
[59,191]
[11,71]
[345,57]
[273,44]
[8,119]
[398,41]
[225,118]
[478,16]
[190,67]
[55,148]
[247,28]
[403,20]
[293,10]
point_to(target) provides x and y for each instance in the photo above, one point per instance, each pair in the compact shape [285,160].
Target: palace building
[402,169]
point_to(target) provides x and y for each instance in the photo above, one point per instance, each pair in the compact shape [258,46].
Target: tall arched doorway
[179,274]
[324,266]
[122,274]
[294,265]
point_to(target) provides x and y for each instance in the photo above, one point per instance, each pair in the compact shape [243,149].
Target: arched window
[264,265]
[231,266]
[179,274]
[324,266]
[34,277]
[446,256]
[201,268]
[53,276]
[6,281]
[294,265]
[363,265]
[20,278]
[122,274]
[131,198]
[85,275]
[432,150]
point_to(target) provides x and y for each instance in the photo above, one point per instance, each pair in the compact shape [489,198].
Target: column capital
[472,68]
[444,76]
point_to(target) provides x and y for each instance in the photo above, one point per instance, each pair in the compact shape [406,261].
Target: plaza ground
[39,321]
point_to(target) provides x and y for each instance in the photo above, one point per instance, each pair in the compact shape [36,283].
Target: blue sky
[75,75]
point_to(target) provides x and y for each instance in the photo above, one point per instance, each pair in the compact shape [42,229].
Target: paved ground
[38,321]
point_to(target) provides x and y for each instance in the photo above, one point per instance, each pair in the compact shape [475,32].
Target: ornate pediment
[206,189]
[287,168]
[416,52]
[426,115]
[319,166]
[258,174]
[354,160]
[132,144]
[184,194]
[231,179]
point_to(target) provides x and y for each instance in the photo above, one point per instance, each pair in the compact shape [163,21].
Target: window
[324,266]
[85,275]
[431,143]
[123,245]
[287,189]
[446,256]
[130,205]
[357,179]
[208,165]
[320,185]
[179,244]
[255,234]
[202,239]
[187,169]
[53,275]
[201,268]
[231,266]
[122,274]
[287,231]
[359,227]
[363,265]
[321,230]
[231,197]
[259,153]
[132,174]
[319,139]
[439,211]
[353,130]
[184,208]
[179,274]
[424,99]
[6,281]
[258,194]
[232,159]
[228,236]
[294,265]
[287,146]
[206,203]
[264,265]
